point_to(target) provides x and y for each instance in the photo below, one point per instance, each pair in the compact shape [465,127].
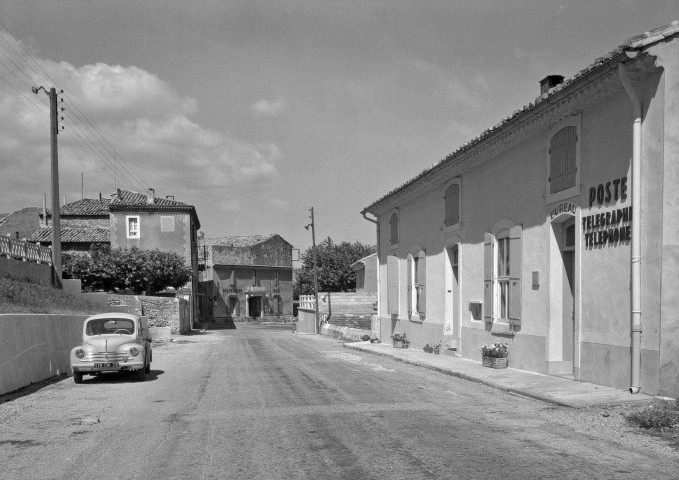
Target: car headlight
[134,351]
[79,352]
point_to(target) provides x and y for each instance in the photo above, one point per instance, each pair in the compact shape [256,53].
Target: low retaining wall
[40,273]
[35,347]
[346,333]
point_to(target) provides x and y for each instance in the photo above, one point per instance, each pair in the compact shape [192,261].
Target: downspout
[377,273]
[636,227]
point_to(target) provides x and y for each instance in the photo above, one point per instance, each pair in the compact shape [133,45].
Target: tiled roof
[637,42]
[85,207]
[24,221]
[238,241]
[126,197]
[72,235]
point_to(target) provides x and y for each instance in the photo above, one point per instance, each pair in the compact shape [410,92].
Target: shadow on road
[121,377]
[29,389]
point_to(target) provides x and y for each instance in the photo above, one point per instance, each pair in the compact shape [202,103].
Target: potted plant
[494,355]
[428,348]
[399,340]
[437,348]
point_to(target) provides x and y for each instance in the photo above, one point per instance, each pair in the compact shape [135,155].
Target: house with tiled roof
[246,276]
[20,224]
[555,231]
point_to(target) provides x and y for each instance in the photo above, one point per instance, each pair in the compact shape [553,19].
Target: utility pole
[56,223]
[317,326]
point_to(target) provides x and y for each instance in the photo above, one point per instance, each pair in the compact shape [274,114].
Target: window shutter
[452,205]
[393,223]
[410,285]
[421,281]
[392,285]
[515,275]
[562,159]
[232,279]
[488,277]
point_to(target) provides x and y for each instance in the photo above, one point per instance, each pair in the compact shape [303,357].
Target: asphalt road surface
[262,403]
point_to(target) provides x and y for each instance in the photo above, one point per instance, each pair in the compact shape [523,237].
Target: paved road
[261,403]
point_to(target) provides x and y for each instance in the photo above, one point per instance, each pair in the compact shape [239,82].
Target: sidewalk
[547,388]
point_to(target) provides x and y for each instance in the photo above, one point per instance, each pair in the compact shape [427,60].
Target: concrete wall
[36,347]
[39,273]
[347,303]
[306,321]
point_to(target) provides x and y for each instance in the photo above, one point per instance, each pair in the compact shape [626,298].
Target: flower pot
[494,362]
[437,351]
[398,344]
[406,344]
[428,349]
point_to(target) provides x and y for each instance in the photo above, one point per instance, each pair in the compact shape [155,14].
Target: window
[234,307]
[167,223]
[392,285]
[452,205]
[502,276]
[563,160]
[416,284]
[393,223]
[133,227]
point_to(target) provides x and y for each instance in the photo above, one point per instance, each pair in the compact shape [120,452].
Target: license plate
[106,365]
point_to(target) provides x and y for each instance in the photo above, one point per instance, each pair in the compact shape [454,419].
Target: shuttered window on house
[488,262]
[515,246]
[410,285]
[392,285]
[562,159]
[420,280]
[393,223]
[452,205]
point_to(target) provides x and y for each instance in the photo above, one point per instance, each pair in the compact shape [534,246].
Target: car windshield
[106,326]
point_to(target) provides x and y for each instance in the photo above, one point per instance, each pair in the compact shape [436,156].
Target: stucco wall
[36,347]
[40,273]
[512,189]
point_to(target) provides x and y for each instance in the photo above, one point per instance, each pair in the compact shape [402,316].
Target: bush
[661,414]
[122,270]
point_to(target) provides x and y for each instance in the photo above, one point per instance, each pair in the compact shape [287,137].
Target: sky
[255,111]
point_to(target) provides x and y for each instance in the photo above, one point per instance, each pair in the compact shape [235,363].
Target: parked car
[113,342]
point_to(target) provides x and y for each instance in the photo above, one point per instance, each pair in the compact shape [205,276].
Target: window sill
[502,329]
[452,228]
[562,195]
[416,318]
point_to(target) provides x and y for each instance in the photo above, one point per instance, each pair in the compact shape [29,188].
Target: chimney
[150,196]
[100,199]
[550,81]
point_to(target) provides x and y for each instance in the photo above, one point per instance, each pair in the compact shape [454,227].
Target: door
[568,296]
[255,306]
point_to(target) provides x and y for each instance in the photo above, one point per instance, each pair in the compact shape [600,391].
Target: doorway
[452,302]
[568,295]
[255,307]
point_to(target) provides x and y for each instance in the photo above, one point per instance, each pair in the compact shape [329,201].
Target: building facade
[555,231]
[246,276]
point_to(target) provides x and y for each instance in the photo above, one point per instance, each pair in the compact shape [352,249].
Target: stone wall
[347,303]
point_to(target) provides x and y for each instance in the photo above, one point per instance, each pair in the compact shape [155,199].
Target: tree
[132,270]
[334,267]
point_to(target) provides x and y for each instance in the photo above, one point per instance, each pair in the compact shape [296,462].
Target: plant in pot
[437,348]
[494,355]
[428,348]
[400,340]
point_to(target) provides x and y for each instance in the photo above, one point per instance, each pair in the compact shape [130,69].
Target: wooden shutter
[488,277]
[562,159]
[410,285]
[452,205]
[515,275]
[393,223]
[232,278]
[421,281]
[392,285]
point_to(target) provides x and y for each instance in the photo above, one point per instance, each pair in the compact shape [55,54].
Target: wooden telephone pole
[317,326]
[56,224]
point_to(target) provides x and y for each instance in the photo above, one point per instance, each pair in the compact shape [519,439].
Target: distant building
[366,273]
[246,276]
[20,224]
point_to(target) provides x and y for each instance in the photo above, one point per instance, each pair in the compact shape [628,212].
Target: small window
[133,227]
[562,160]
[166,223]
[452,205]
[393,223]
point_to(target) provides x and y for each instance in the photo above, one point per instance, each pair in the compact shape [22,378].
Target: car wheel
[77,377]
[147,368]
[140,375]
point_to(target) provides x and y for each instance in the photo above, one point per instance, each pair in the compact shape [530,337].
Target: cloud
[268,108]
[124,126]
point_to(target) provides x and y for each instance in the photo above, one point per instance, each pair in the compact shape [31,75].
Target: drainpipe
[636,227]
[377,228]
